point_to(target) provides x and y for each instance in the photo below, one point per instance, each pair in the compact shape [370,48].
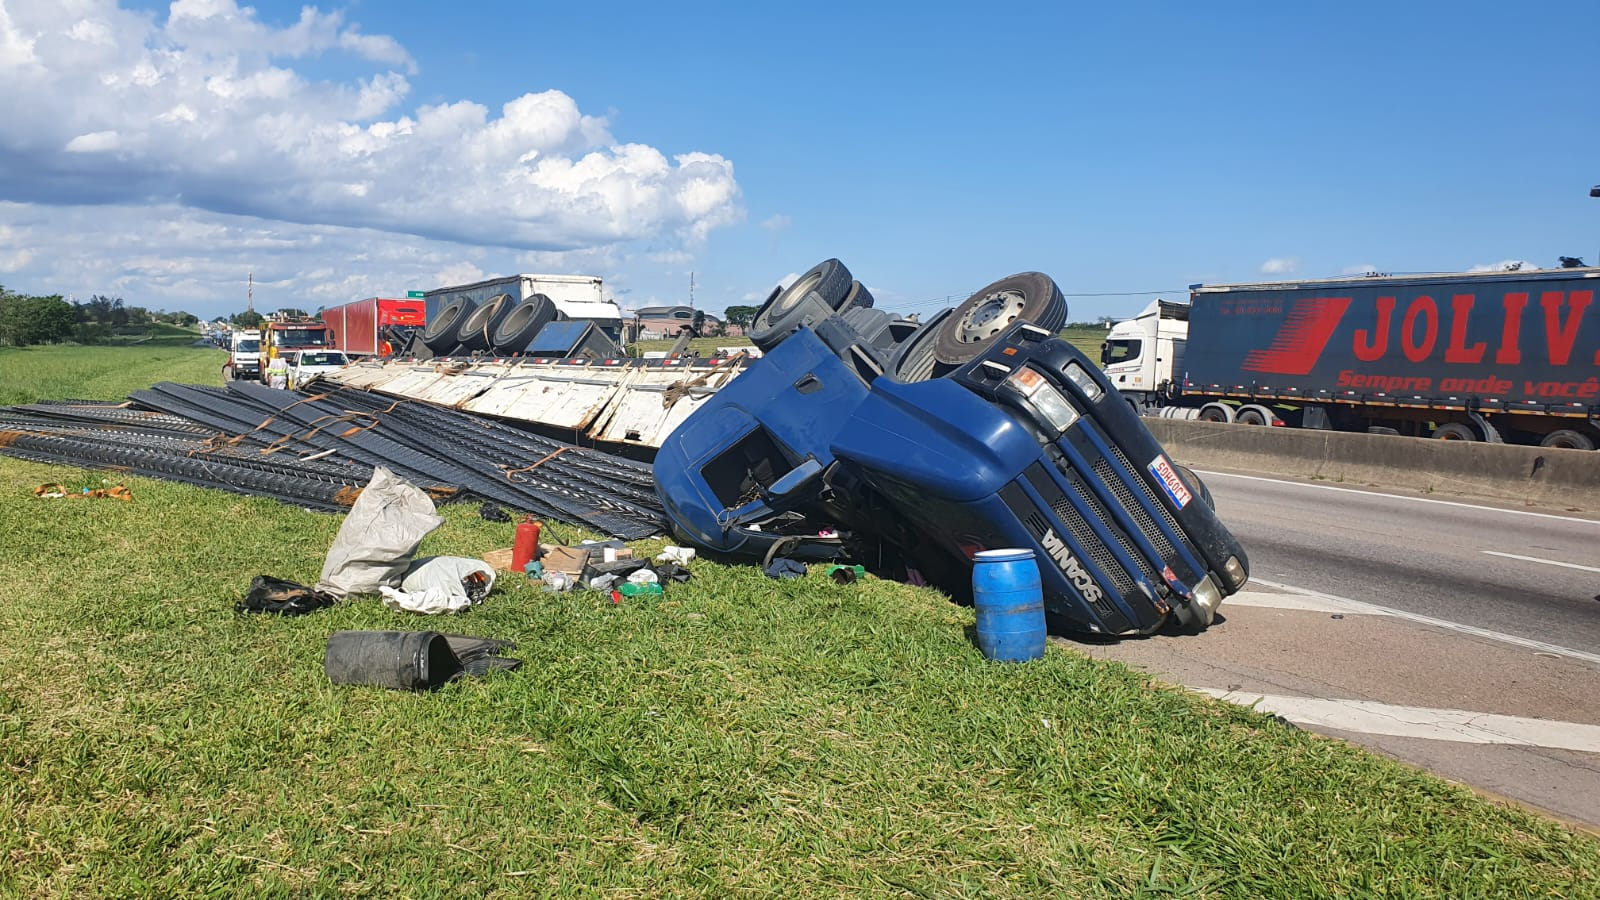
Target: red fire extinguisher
[525,548]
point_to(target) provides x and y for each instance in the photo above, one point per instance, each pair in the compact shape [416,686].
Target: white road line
[1329,487]
[1369,717]
[1375,609]
[1303,602]
[1535,559]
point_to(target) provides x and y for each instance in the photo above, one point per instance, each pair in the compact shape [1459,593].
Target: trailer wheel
[972,328]
[1216,412]
[1254,415]
[517,330]
[1567,439]
[477,328]
[790,308]
[1455,431]
[440,334]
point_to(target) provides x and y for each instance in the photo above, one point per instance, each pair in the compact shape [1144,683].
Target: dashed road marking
[1374,609]
[1369,717]
[1548,562]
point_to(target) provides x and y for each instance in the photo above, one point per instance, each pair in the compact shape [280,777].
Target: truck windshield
[248,346]
[1120,350]
[303,337]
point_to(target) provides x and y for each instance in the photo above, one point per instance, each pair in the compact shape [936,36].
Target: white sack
[380,533]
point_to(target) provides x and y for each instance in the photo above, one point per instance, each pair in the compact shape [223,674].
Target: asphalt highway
[1533,575]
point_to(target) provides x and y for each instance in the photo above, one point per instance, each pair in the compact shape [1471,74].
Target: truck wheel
[440,334]
[518,329]
[1455,431]
[1254,415]
[1567,439]
[913,360]
[1029,296]
[1216,412]
[789,309]
[858,298]
[477,329]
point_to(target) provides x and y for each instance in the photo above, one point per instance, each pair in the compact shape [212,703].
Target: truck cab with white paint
[1143,356]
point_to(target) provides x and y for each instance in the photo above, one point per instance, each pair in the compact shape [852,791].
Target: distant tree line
[27,320]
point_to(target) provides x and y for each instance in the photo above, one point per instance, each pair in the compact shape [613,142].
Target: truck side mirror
[1105,352]
[796,478]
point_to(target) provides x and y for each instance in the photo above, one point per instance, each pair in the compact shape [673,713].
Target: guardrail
[1567,479]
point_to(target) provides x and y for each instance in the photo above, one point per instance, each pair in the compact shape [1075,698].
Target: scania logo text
[1069,565]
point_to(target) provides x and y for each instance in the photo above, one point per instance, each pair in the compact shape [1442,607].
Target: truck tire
[788,309]
[858,297]
[477,327]
[1253,414]
[913,360]
[1027,296]
[517,330]
[1568,439]
[1455,431]
[1216,412]
[440,334]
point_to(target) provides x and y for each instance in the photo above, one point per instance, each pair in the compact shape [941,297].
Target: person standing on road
[278,372]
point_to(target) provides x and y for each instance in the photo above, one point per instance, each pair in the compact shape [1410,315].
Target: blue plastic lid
[1008,555]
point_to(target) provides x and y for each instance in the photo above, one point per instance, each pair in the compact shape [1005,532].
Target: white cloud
[777,222]
[1504,265]
[205,110]
[1359,269]
[1280,265]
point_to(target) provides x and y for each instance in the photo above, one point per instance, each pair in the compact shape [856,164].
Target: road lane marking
[1329,487]
[1475,631]
[1303,603]
[1535,559]
[1369,717]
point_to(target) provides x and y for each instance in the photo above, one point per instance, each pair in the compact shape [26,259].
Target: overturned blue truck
[909,447]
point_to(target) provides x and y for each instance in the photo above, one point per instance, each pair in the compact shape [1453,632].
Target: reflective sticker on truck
[1161,467]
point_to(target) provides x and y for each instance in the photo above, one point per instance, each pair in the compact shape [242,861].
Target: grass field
[106,372]
[737,736]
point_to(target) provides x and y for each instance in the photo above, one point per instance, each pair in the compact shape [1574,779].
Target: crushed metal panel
[409,380]
[656,402]
[457,388]
[361,375]
[556,395]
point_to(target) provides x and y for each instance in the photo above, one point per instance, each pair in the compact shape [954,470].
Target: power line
[953,299]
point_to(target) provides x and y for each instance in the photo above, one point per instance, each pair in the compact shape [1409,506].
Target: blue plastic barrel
[1005,589]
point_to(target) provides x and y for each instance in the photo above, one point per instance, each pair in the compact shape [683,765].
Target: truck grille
[1114,620]
[1125,496]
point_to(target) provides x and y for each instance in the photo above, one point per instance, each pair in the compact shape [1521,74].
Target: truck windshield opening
[303,337]
[1121,350]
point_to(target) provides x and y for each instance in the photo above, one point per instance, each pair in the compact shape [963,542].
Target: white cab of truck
[1141,355]
[245,355]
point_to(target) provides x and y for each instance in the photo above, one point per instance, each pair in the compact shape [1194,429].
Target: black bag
[286,598]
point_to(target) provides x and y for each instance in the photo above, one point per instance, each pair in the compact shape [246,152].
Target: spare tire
[814,296]
[440,334]
[477,327]
[518,329]
[974,326]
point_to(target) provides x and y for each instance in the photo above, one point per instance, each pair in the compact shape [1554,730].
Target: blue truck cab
[816,453]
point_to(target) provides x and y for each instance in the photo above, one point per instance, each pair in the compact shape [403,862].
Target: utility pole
[250,293]
[691,290]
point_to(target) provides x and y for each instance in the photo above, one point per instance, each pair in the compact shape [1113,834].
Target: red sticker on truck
[1161,467]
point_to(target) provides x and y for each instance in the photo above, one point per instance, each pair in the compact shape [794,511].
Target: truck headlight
[1042,397]
[1080,376]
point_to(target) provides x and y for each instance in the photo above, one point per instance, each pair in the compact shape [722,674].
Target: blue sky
[161,152]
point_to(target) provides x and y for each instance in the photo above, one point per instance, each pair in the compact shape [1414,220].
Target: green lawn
[737,736]
[106,372]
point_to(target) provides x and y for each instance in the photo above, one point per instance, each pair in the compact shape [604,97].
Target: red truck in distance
[376,326]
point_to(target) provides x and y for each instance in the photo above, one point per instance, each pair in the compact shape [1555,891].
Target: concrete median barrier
[1566,479]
